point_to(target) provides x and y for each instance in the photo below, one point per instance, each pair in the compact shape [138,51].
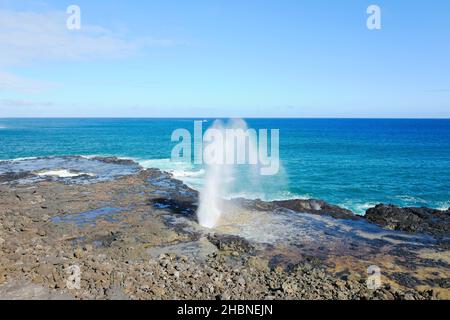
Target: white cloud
[27,37]
[23,103]
[12,82]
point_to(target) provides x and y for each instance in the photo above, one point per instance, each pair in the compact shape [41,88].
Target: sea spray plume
[260,173]
[227,146]
[209,210]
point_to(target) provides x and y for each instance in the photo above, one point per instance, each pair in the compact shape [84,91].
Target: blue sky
[225,58]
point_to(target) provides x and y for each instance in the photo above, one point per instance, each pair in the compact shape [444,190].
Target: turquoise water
[355,163]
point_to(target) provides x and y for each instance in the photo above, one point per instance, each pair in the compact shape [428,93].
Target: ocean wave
[166,165]
[278,196]
[358,208]
[363,207]
[186,174]
[184,171]
[412,199]
[443,205]
[19,159]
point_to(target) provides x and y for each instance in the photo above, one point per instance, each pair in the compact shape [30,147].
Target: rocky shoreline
[133,235]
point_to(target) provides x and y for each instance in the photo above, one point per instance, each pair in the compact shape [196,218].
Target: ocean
[353,163]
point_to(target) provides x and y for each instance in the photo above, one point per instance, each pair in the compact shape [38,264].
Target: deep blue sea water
[355,163]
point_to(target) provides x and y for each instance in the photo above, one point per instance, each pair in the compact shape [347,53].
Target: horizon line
[222,117]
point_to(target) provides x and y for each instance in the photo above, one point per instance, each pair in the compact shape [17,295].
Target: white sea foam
[62,173]
[185,174]
[412,199]
[177,169]
[363,207]
[443,206]
[21,159]
[358,208]
[163,164]
[264,196]
[192,177]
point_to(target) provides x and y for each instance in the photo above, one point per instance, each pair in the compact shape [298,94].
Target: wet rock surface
[317,207]
[14,176]
[135,236]
[413,220]
[313,206]
[69,170]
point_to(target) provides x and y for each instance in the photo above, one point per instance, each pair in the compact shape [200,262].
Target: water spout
[221,167]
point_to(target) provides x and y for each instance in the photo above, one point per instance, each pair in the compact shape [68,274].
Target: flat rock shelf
[133,234]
